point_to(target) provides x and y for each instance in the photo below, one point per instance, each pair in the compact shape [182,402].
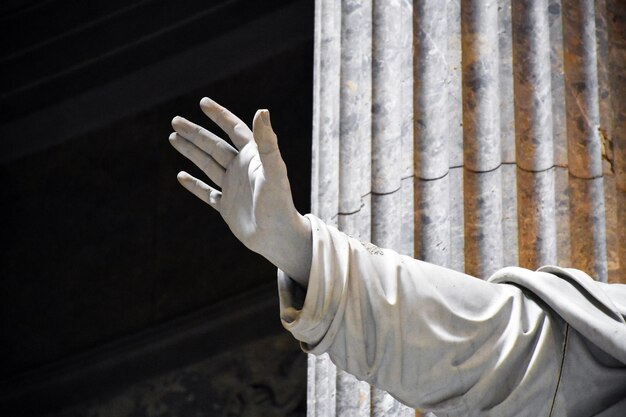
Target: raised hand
[255,198]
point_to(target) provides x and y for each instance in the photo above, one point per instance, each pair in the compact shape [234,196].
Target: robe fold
[550,342]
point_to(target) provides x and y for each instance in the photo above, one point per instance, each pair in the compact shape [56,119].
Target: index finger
[236,130]
[217,148]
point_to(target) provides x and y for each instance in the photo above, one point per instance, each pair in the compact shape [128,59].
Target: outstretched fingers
[205,162]
[236,130]
[267,144]
[201,190]
[210,143]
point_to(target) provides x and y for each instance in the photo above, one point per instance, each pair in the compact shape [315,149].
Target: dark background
[110,271]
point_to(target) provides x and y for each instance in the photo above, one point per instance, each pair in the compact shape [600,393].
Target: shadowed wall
[112,274]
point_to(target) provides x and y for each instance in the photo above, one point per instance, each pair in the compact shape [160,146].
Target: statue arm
[434,338]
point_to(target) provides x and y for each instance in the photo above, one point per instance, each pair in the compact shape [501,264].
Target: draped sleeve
[434,338]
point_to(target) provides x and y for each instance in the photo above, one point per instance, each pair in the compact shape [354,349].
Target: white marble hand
[255,199]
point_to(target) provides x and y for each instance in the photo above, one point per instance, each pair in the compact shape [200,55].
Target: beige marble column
[533,131]
[559,134]
[472,134]
[616,27]
[587,211]
[481,138]
[362,158]
[508,168]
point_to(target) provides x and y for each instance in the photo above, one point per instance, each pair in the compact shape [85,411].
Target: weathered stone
[613,230]
[557,84]
[584,155]
[562,216]
[481,100]
[431,93]
[537,222]
[469,162]
[326,94]
[483,222]
[604,90]
[457,225]
[355,107]
[505,77]
[510,215]
[532,79]
[454,89]
[587,226]
[616,10]
[353,396]
[432,221]
[581,88]
[386,99]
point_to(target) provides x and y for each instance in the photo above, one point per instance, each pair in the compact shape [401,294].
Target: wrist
[290,248]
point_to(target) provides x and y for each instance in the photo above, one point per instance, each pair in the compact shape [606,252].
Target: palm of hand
[251,205]
[255,200]
[242,183]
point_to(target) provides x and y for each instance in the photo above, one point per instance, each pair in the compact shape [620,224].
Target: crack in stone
[527,170]
[581,107]
[563,167]
[367,194]
[607,148]
[386,192]
[488,170]
[457,167]
[341,213]
[433,179]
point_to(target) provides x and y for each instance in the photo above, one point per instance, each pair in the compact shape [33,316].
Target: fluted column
[587,226]
[481,135]
[363,127]
[387,150]
[616,27]
[454,112]
[322,374]
[432,186]
[352,396]
[533,130]
[508,168]
[473,134]
[326,118]
[559,134]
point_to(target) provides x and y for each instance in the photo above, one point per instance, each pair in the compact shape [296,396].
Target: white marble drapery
[473,134]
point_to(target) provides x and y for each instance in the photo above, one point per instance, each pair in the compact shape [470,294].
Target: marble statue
[550,342]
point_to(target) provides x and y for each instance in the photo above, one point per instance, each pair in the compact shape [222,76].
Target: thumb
[267,144]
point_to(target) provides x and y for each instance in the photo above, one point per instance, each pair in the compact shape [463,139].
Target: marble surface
[532,74]
[432,228]
[489,175]
[326,94]
[532,85]
[431,93]
[588,224]
[483,222]
[537,221]
[511,212]
[480,59]
[363,158]
[581,88]
[505,80]
[481,137]
[557,84]
[616,11]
